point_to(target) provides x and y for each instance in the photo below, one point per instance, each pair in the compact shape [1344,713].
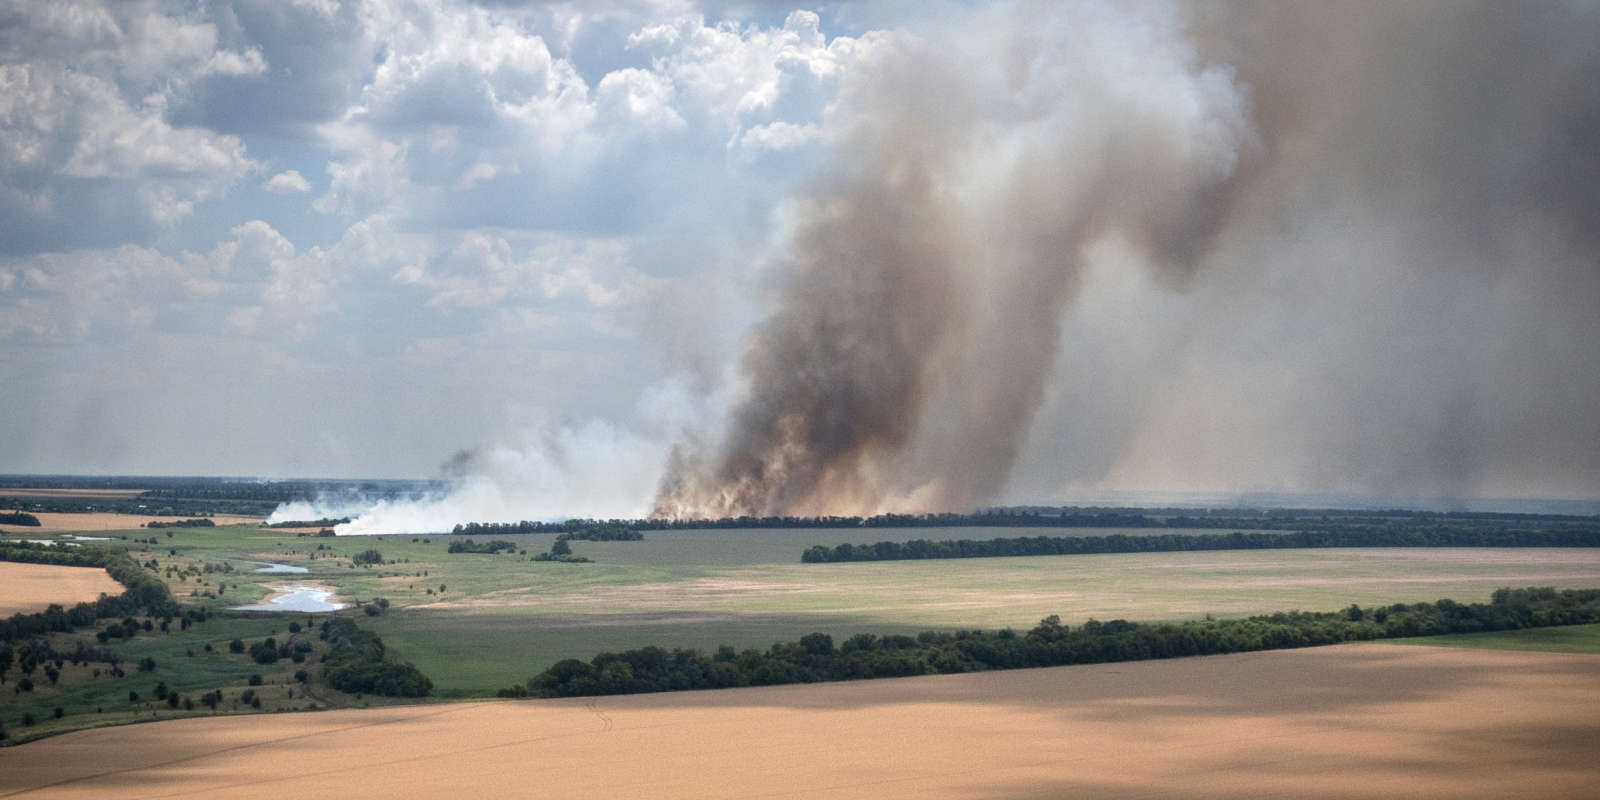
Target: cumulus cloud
[90,155]
[287,182]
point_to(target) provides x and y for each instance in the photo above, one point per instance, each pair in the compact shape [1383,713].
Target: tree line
[22,518]
[601,534]
[1156,543]
[357,663]
[324,522]
[1090,517]
[145,595]
[182,523]
[490,548]
[816,658]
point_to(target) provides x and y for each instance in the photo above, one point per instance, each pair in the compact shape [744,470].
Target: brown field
[77,493]
[105,521]
[1352,721]
[31,587]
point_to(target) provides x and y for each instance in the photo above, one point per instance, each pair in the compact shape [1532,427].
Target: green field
[1566,639]
[502,618]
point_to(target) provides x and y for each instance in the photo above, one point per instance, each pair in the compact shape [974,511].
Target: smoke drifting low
[1383,219]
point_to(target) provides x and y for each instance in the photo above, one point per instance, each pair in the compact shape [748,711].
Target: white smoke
[595,468]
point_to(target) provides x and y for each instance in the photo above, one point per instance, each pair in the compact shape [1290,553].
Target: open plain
[1349,721]
[31,587]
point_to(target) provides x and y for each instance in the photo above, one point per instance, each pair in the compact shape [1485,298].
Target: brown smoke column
[983,168]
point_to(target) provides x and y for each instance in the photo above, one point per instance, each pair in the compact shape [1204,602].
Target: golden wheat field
[1350,721]
[53,522]
[31,587]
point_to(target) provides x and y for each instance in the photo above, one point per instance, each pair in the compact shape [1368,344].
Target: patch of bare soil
[1353,721]
[27,588]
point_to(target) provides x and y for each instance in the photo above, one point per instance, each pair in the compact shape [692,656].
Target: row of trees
[490,548]
[324,522]
[182,523]
[602,534]
[357,663]
[1092,517]
[816,658]
[22,518]
[1121,543]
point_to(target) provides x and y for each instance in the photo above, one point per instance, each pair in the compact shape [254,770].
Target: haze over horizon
[746,257]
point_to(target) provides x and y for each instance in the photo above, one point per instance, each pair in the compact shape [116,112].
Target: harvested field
[111,494]
[31,587]
[105,521]
[1364,720]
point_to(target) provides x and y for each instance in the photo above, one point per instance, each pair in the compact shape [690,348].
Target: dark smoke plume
[1445,154]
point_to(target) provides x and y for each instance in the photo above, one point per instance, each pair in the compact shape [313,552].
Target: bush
[265,651]
[367,557]
[255,679]
[235,646]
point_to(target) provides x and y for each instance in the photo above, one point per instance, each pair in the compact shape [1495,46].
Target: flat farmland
[475,623]
[28,588]
[1351,721]
[57,522]
[475,641]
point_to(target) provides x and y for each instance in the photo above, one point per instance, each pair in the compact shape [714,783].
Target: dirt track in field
[1352,721]
[30,587]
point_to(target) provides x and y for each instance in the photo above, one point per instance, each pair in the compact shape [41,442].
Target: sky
[616,258]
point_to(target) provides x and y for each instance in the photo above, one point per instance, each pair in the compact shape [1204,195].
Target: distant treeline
[1095,519]
[1167,542]
[357,663]
[815,657]
[145,594]
[183,523]
[18,518]
[602,535]
[1169,518]
[192,496]
[469,546]
[325,522]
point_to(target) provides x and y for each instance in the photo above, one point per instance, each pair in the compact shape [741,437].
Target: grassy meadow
[1565,639]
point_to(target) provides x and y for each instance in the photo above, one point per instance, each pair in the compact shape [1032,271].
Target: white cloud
[228,62]
[640,97]
[88,151]
[779,135]
[287,182]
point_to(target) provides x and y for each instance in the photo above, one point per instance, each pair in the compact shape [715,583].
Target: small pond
[296,598]
[283,569]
